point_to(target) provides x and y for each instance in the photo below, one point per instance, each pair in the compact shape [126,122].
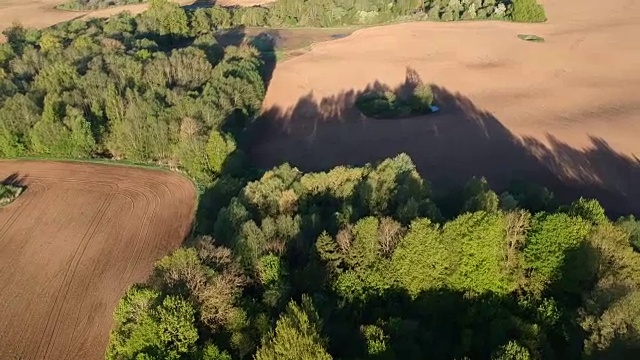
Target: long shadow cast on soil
[447,147]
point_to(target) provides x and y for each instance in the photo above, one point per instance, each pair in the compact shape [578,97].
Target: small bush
[8,193]
[388,105]
[530,37]
[527,11]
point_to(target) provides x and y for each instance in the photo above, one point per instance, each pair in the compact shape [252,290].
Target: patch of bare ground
[78,236]
[564,112]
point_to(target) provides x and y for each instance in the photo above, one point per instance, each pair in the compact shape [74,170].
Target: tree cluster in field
[387,104]
[325,13]
[79,5]
[8,193]
[367,262]
[146,89]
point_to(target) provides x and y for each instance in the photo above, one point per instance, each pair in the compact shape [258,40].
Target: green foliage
[331,13]
[413,268]
[493,281]
[548,242]
[531,38]
[165,18]
[94,4]
[219,147]
[8,193]
[388,105]
[270,268]
[590,210]
[376,340]
[149,327]
[296,336]
[512,351]
[632,226]
[527,11]
[144,88]
[479,197]
[610,314]
[480,241]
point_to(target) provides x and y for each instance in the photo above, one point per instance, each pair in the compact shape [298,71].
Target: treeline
[326,13]
[79,5]
[368,262]
[151,88]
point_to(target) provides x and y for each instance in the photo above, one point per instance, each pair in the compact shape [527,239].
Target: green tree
[421,260]
[527,11]
[590,210]
[551,237]
[149,328]
[219,147]
[165,18]
[81,140]
[480,241]
[296,336]
[56,78]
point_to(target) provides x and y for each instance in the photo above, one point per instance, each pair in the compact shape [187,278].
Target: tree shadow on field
[15,179]
[448,147]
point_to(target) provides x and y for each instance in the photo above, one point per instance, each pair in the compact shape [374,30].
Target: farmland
[72,243]
[458,183]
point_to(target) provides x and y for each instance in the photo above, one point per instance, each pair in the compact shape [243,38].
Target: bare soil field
[72,243]
[564,112]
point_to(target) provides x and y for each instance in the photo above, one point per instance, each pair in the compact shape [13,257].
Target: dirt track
[72,243]
[565,111]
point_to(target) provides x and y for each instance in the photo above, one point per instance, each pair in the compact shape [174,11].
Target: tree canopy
[358,263]
[147,88]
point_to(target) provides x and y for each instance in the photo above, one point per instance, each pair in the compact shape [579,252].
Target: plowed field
[564,113]
[72,243]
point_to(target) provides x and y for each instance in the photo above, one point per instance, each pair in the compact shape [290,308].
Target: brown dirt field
[565,112]
[72,243]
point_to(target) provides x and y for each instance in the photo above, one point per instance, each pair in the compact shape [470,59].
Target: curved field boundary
[73,242]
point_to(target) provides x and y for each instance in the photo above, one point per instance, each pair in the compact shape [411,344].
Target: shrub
[387,104]
[422,99]
[8,193]
[527,11]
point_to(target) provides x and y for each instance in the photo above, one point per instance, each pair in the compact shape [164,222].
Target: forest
[352,263]
[150,89]
[328,13]
[369,263]
[323,13]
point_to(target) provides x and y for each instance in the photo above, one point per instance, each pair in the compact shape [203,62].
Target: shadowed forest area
[448,147]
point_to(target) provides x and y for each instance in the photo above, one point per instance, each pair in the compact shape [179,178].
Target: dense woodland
[322,13]
[352,263]
[151,88]
[325,13]
[367,263]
